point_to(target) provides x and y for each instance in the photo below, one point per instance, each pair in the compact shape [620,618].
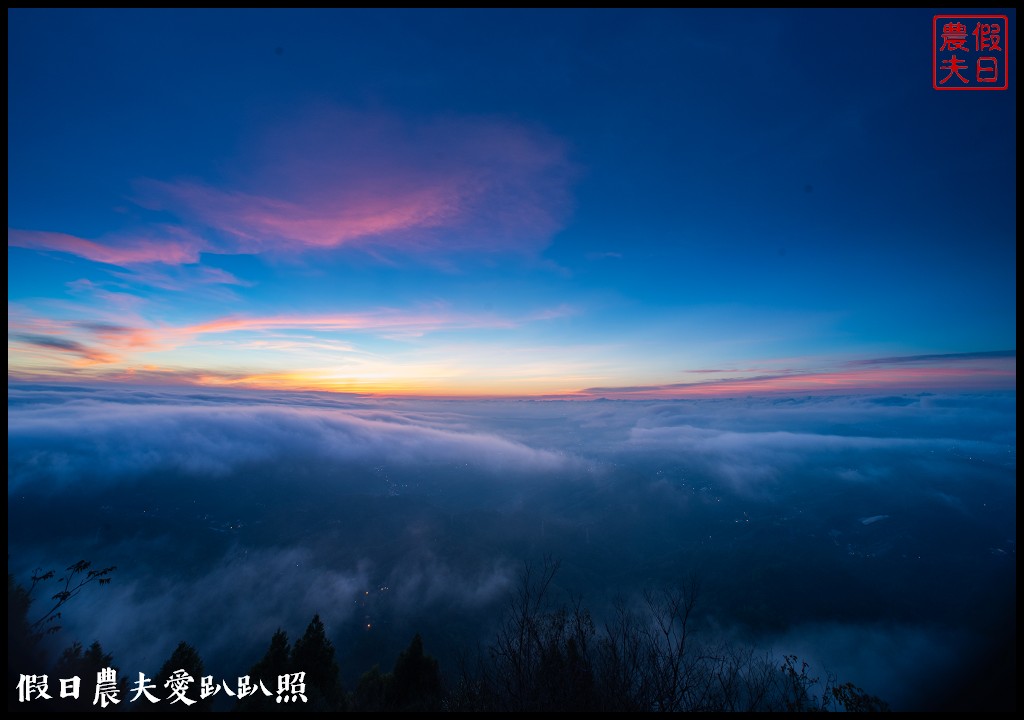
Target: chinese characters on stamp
[969,52]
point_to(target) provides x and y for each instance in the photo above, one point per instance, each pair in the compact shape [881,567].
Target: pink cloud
[996,373]
[181,278]
[333,178]
[259,223]
[381,320]
[123,336]
[168,245]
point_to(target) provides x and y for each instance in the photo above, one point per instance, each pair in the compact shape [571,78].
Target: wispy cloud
[381,320]
[260,223]
[964,371]
[121,335]
[180,278]
[385,320]
[937,358]
[296,351]
[98,341]
[332,177]
[163,244]
[64,345]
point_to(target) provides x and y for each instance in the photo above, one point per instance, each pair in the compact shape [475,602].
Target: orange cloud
[123,336]
[130,346]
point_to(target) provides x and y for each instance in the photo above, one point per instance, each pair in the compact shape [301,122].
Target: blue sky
[578,204]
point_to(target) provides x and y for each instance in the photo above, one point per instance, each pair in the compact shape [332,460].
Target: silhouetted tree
[416,680]
[183,663]
[25,652]
[71,583]
[276,662]
[541,659]
[86,665]
[372,691]
[313,654]
[545,657]
[414,684]
[548,658]
[798,692]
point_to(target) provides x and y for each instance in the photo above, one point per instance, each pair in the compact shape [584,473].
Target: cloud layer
[231,513]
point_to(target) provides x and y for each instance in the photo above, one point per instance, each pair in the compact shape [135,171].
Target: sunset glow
[476,242]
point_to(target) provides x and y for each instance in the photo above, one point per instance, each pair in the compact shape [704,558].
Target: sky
[571,204]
